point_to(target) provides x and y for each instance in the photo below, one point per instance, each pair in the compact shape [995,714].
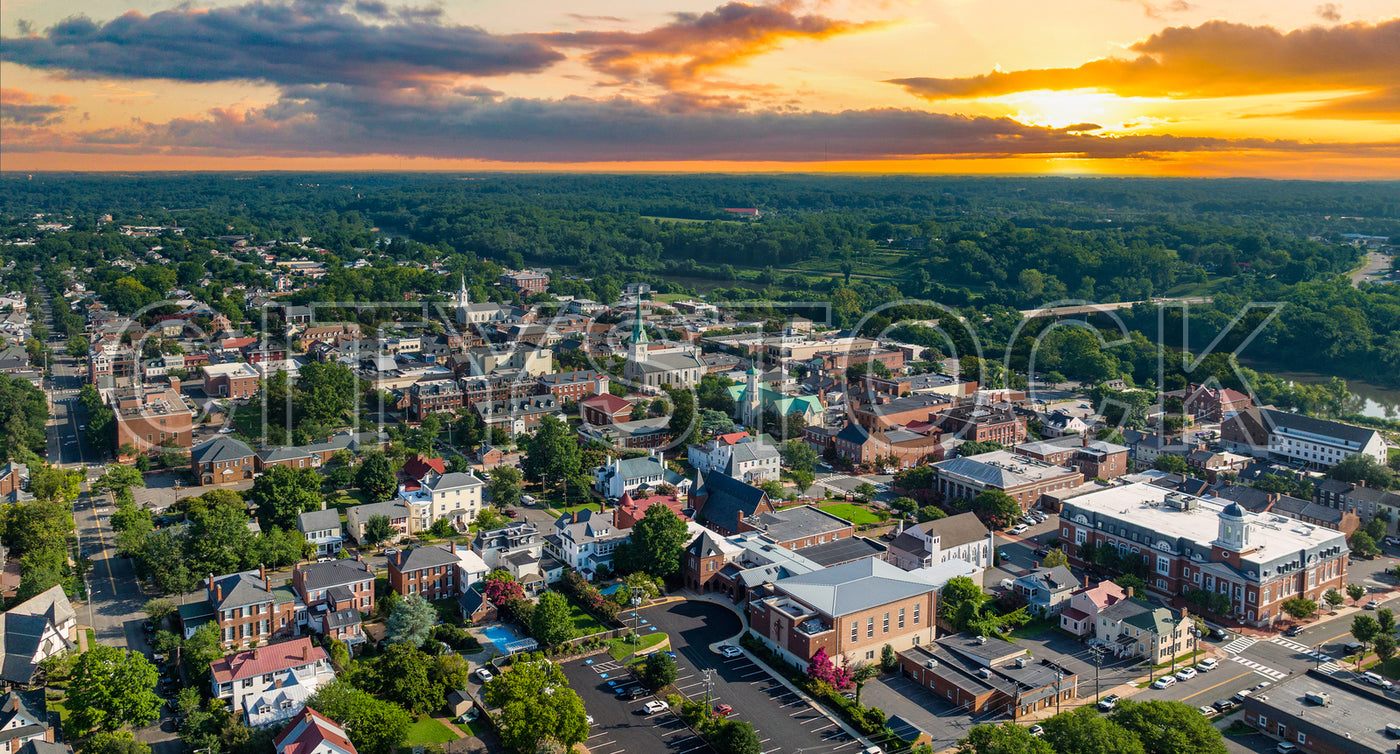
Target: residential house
[334,594]
[456,496]
[961,537]
[585,541]
[605,408]
[630,510]
[14,477]
[1046,590]
[1080,617]
[222,460]
[310,732]
[396,511]
[23,718]
[754,462]
[33,631]
[642,434]
[519,549]
[1135,628]
[271,684]
[1094,459]
[322,528]
[1059,423]
[619,476]
[1214,404]
[231,380]
[435,572]
[248,610]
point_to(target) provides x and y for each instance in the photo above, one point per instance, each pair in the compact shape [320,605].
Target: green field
[584,624]
[856,514]
[347,499]
[428,731]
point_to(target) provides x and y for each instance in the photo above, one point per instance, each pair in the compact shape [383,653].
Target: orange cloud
[682,51]
[1215,59]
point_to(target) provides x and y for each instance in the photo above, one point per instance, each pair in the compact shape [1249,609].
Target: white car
[654,706]
[1019,528]
[589,718]
[227,430]
[1207,665]
[1185,674]
[484,675]
[1164,682]
[729,650]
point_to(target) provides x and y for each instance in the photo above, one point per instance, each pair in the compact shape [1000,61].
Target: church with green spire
[652,364]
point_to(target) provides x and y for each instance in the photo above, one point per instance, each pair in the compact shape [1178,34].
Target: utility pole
[1098,655]
[1059,675]
[707,688]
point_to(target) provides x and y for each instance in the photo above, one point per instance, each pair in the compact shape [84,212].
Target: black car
[1225,704]
[1217,634]
[1293,631]
[1042,552]
[631,693]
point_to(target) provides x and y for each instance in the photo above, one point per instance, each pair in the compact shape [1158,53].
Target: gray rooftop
[843,551]
[1354,722]
[852,587]
[335,573]
[797,523]
[328,518]
[220,449]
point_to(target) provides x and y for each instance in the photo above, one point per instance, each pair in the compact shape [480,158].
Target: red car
[723,710]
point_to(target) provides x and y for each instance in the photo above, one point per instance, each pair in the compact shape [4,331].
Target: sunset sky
[1273,88]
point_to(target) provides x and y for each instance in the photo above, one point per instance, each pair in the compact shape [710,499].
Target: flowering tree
[500,589]
[822,669]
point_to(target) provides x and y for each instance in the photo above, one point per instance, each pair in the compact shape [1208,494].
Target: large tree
[406,677]
[1006,738]
[1084,731]
[1166,727]
[658,671]
[411,621]
[996,508]
[1363,468]
[118,478]
[504,486]
[114,742]
[551,623]
[374,726]
[112,688]
[325,393]
[737,737]
[376,477]
[202,648]
[377,529]
[552,453]
[657,543]
[530,714]
[798,455]
[282,493]
[218,541]
[960,601]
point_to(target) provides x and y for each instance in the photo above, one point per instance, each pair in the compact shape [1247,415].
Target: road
[1374,268]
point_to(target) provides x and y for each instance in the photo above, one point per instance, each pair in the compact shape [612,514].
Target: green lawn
[428,731]
[584,624]
[856,514]
[1033,628]
[346,499]
[620,649]
[560,510]
[1390,668]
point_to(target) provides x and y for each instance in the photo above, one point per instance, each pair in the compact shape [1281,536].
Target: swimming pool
[502,637]
[611,589]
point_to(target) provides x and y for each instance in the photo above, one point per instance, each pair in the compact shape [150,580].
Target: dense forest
[982,247]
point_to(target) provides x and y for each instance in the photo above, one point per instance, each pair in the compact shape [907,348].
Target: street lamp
[707,688]
[636,623]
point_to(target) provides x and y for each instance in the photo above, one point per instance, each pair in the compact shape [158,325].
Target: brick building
[1027,480]
[433,396]
[605,408]
[222,460]
[1256,560]
[1092,458]
[435,572]
[231,380]
[152,417]
[987,678]
[574,386]
[249,610]
[983,424]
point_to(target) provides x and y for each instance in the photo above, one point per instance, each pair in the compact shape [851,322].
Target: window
[855,629]
[901,617]
[870,627]
[870,655]
[1164,566]
[886,628]
[916,613]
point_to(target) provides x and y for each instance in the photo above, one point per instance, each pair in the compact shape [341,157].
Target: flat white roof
[1141,506]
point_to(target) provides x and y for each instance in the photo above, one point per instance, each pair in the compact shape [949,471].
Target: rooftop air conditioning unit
[931,664]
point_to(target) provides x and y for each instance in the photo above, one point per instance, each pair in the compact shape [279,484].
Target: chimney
[218,592]
[1128,592]
[262,571]
[305,652]
[267,583]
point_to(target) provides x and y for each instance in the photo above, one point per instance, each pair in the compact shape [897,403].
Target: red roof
[264,660]
[631,511]
[733,438]
[238,342]
[608,403]
[417,465]
[311,729]
[1074,614]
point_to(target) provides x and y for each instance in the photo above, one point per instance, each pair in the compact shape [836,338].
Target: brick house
[248,610]
[334,594]
[605,408]
[1093,458]
[435,572]
[574,386]
[987,677]
[222,460]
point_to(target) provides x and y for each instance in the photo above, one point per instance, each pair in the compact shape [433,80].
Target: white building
[456,496]
[620,476]
[753,462]
[1319,443]
[322,528]
[271,684]
[961,537]
[585,541]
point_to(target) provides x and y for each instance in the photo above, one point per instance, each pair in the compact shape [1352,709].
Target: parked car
[1392,541]
[1222,705]
[1293,631]
[1036,730]
[1240,696]
[1029,520]
[723,710]
[1373,604]
[484,675]
[1165,681]
[1185,674]
[1207,665]
[1042,552]
[654,706]
[729,650]
[511,513]
[1019,528]
[1109,702]
[1206,710]
[1352,647]
[1286,747]
[631,693]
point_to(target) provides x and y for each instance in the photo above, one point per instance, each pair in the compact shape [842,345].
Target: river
[1376,401]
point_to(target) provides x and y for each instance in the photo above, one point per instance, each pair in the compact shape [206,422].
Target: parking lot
[622,725]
